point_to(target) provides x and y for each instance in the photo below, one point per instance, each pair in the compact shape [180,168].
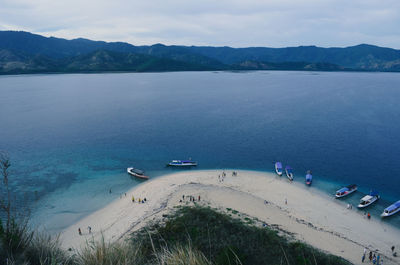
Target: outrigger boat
[289,173]
[136,173]
[182,163]
[346,191]
[368,199]
[278,168]
[308,178]
[392,209]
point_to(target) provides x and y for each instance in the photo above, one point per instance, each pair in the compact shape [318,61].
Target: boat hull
[390,214]
[182,165]
[346,194]
[391,210]
[290,176]
[278,169]
[132,173]
[369,203]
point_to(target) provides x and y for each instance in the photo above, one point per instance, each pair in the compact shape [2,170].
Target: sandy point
[306,214]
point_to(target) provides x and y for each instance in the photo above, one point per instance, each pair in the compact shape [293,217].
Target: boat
[369,199]
[392,209]
[346,191]
[308,178]
[289,172]
[182,163]
[136,173]
[278,168]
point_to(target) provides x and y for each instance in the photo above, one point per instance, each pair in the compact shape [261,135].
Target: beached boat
[136,173]
[392,209]
[278,168]
[182,163]
[368,199]
[308,178]
[289,172]
[346,191]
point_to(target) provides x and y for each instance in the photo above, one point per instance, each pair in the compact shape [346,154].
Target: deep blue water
[71,137]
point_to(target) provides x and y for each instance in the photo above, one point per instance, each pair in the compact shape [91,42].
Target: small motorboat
[278,168]
[289,172]
[308,178]
[392,209]
[368,199]
[346,191]
[136,173]
[182,163]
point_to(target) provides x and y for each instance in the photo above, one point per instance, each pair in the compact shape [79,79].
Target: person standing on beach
[79,231]
[90,229]
[199,197]
[370,256]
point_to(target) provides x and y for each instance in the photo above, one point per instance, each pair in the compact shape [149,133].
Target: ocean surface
[71,137]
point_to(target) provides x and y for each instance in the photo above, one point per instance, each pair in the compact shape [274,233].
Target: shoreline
[310,215]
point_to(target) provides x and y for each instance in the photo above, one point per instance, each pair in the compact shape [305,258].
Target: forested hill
[24,52]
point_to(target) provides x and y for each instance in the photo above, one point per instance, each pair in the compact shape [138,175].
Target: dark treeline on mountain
[24,52]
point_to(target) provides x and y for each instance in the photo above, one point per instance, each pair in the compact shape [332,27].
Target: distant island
[27,53]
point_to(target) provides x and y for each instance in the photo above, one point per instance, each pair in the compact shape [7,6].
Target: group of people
[139,200]
[373,257]
[221,178]
[191,198]
[89,229]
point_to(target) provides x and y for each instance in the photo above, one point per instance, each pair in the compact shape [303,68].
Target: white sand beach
[313,217]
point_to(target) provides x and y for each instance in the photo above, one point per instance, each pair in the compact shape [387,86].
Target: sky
[245,23]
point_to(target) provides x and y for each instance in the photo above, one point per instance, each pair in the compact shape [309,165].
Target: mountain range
[24,52]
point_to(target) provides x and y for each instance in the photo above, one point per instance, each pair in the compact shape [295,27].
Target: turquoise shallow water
[71,137]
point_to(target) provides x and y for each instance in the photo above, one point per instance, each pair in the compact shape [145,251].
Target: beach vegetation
[226,240]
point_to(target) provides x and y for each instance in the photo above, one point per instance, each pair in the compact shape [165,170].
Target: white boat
[136,173]
[392,209]
[289,173]
[182,163]
[278,168]
[346,191]
[368,199]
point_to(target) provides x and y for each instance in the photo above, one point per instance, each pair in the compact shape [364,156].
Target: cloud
[273,23]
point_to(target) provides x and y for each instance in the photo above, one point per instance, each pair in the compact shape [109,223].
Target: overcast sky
[271,23]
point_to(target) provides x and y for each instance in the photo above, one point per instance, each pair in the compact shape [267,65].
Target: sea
[70,137]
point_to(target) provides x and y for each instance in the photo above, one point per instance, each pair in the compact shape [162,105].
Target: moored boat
[369,199]
[182,163]
[308,178]
[346,191]
[392,209]
[136,173]
[289,173]
[278,168]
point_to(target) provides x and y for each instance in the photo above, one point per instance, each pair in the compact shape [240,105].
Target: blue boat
[278,168]
[308,178]
[289,172]
[182,163]
[346,191]
[392,209]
